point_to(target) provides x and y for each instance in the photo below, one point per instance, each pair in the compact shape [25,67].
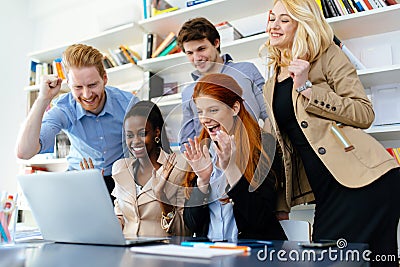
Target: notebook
[75,207]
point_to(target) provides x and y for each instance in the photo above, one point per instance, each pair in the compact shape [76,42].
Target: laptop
[75,207]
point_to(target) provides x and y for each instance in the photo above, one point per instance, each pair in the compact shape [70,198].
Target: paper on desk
[193,252]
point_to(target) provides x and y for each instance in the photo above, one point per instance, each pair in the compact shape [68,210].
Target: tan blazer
[337,97]
[142,214]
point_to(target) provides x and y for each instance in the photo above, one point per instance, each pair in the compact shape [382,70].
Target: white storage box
[386,103]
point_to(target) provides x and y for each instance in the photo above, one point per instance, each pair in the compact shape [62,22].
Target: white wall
[60,23]
[16,35]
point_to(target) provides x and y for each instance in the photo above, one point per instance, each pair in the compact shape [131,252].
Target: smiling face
[140,135]
[215,116]
[281,27]
[87,88]
[203,55]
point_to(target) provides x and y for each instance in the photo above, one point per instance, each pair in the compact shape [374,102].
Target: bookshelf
[213,10]
[356,29]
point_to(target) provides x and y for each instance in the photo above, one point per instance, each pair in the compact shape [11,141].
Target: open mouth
[201,64]
[89,101]
[214,129]
[275,34]
[137,149]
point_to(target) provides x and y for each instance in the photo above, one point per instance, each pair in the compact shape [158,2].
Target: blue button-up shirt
[246,75]
[96,136]
[222,221]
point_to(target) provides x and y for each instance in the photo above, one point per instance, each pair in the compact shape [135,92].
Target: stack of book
[334,8]
[117,57]
[154,46]
[39,69]
[227,32]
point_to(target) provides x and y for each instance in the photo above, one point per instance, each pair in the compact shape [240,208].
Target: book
[325,10]
[168,48]
[58,68]
[151,41]
[397,154]
[348,6]
[156,12]
[38,74]
[170,38]
[146,9]
[353,59]
[382,3]
[333,8]
[366,2]
[319,4]
[32,76]
[115,58]
[340,7]
[375,4]
[360,7]
[107,62]
[372,3]
[391,152]
[126,54]
[391,2]
[353,6]
[135,55]
[109,58]
[161,6]
[195,2]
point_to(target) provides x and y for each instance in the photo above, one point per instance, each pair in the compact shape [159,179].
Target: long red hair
[246,131]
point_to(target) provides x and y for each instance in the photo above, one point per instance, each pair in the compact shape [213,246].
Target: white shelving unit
[125,34]
[128,34]
[371,22]
[358,28]
[353,26]
[242,49]
[215,11]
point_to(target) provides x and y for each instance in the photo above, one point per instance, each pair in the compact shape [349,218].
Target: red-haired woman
[231,191]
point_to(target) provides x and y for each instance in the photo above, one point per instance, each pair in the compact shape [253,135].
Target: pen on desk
[220,245]
[196,244]
[243,248]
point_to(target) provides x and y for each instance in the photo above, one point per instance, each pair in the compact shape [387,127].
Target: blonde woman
[319,107]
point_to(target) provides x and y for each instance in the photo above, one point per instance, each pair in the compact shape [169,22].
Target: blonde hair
[80,55]
[312,38]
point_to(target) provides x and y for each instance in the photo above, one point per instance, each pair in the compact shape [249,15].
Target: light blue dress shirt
[222,221]
[96,136]
[247,76]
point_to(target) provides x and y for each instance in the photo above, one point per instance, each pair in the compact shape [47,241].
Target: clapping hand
[88,164]
[226,150]
[159,182]
[199,159]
